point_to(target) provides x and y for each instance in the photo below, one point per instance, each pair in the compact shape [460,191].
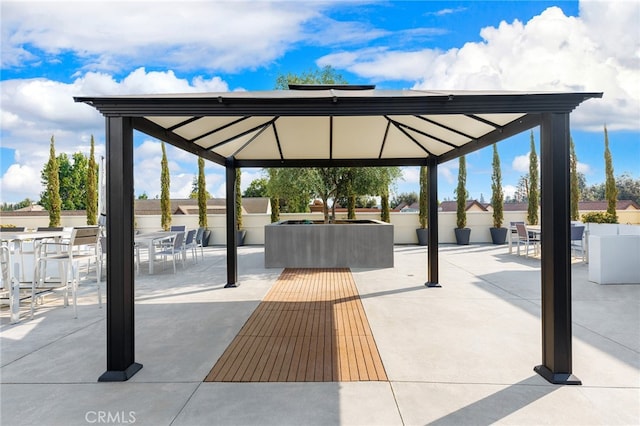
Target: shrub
[599,217]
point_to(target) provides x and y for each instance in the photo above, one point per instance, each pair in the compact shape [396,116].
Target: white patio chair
[190,244]
[174,250]
[526,238]
[577,240]
[82,246]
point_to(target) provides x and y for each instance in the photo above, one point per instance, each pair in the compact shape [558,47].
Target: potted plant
[462,232]
[241,233]
[498,233]
[423,231]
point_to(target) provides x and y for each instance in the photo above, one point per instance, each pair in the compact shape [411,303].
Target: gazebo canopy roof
[315,125]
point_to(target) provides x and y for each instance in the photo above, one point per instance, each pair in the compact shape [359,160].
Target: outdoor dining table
[150,240]
[13,285]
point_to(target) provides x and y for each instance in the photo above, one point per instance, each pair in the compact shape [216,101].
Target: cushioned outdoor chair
[527,238]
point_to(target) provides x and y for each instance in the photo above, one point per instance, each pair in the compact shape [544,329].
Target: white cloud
[583,168]
[596,52]
[18,183]
[521,163]
[210,35]
[509,191]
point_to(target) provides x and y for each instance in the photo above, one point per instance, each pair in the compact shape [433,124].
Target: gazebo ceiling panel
[429,126]
[398,145]
[463,123]
[209,137]
[434,146]
[229,148]
[168,122]
[500,119]
[263,146]
[193,129]
[357,137]
[304,137]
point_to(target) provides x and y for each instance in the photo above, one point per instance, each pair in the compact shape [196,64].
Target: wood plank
[311,326]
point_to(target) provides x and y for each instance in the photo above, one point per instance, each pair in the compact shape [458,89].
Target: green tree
[92,187]
[461,194]
[628,188]
[72,181]
[143,196]
[423,206]
[406,197]
[6,207]
[497,195]
[53,187]
[203,195]
[257,188]
[238,193]
[165,183]
[532,210]
[611,192]
[575,188]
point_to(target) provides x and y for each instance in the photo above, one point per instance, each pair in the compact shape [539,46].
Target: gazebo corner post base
[120,375]
[556,378]
[432,285]
[232,285]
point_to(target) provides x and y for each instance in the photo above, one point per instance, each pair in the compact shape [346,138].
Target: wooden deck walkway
[310,327]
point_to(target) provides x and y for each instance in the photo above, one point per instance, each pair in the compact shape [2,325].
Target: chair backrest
[178,240]
[178,228]
[49,229]
[13,229]
[84,236]
[576,233]
[190,236]
[522,230]
[199,235]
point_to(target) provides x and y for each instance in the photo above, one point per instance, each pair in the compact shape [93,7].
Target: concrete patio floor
[460,354]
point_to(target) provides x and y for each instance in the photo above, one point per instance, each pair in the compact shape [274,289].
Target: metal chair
[200,240]
[178,228]
[190,244]
[82,246]
[174,250]
[577,240]
[526,238]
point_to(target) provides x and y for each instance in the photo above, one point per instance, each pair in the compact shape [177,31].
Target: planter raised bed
[314,244]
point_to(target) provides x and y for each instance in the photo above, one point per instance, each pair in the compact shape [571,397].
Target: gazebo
[339,125]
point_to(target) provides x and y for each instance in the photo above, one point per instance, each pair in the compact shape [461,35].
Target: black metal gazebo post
[121,352]
[232,247]
[556,364]
[432,220]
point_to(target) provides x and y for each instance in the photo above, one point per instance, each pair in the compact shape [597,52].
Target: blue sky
[54,50]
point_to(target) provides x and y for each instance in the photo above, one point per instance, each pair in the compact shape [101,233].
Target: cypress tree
[423,201]
[497,196]
[461,194]
[53,187]
[385,215]
[202,195]
[165,201]
[575,190]
[238,192]
[92,187]
[610,190]
[532,210]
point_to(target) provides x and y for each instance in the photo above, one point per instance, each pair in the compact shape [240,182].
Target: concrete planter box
[307,244]
[613,259]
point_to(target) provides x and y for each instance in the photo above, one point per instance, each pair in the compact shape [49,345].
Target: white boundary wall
[405,224]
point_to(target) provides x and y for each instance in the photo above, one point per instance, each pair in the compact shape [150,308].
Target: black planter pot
[206,236]
[498,235]
[240,236]
[462,236]
[423,236]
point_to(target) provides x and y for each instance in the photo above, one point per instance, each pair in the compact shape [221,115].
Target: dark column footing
[557,378]
[120,376]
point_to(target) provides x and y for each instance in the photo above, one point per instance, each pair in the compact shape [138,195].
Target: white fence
[405,224]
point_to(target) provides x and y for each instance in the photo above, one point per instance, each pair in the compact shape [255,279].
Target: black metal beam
[432,223]
[232,245]
[121,352]
[159,132]
[336,162]
[520,125]
[556,364]
[329,103]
